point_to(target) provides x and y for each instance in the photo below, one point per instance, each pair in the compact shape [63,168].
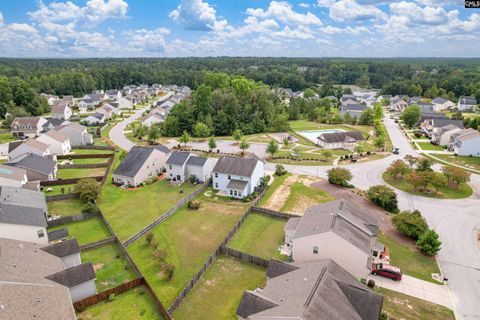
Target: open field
[80,173]
[129,211]
[260,235]
[65,207]
[134,304]
[411,261]
[189,237]
[111,267]
[86,231]
[445,192]
[219,291]
[400,306]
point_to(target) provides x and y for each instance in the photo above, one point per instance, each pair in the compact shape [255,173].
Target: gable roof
[33,162]
[56,136]
[440,100]
[468,100]
[36,145]
[74,276]
[236,166]
[12,173]
[63,249]
[447,128]
[178,158]
[277,268]
[196,161]
[57,234]
[469,136]
[15,214]
[341,136]
[59,106]
[162,148]
[74,126]
[133,161]
[439,123]
[23,197]
[26,121]
[353,107]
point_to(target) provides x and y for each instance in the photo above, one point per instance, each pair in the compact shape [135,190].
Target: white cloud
[22,27]
[304,5]
[146,41]
[441,2]
[300,32]
[283,12]
[1,19]
[197,15]
[325,3]
[415,14]
[350,10]
[348,30]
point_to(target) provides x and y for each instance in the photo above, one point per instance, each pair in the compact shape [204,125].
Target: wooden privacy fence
[80,305]
[85,156]
[274,213]
[60,197]
[72,218]
[83,166]
[166,215]
[67,181]
[245,257]
[98,244]
[92,147]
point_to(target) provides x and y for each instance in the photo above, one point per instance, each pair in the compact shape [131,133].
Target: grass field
[219,291]
[90,151]
[467,162]
[131,210]
[300,193]
[6,137]
[446,192]
[134,304]
[260,235]
[400,306]
[189,237]
[65,207]
[111,267]
[90,161]
[80,173]
[86,231]
[429,146]
[411,261]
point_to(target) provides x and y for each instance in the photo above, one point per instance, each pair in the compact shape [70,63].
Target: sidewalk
[417,288]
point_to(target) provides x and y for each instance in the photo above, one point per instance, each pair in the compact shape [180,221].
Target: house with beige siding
[27,127]
[58,143]
[183,165]
[16,149]
[38,168]
[12,177]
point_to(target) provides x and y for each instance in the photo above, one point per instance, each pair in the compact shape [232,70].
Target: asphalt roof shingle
[133,161]
[34,162]
[63,249]
[236,166]
[178,158]
[74,276]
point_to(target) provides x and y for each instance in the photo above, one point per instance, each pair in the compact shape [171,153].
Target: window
[231,192]
[315,249]
[170,166]
[229,177]
[235,193]
[216,184]
[40,233]
[216,174]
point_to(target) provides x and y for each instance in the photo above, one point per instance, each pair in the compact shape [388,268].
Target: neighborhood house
[181,166]
[339,140]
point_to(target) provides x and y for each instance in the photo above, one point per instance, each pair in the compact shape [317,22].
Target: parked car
[387,271]
[396,150]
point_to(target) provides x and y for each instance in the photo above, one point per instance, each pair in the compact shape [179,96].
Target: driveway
[417,288]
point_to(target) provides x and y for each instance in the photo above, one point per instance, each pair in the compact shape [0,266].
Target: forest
[21,80]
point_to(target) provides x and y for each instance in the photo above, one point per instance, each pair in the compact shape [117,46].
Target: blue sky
[170,28]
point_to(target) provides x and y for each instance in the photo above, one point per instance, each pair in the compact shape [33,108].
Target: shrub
[193,205]
[280,170]
[339,176]
[142,312]
[160,254]
[410,223]
[149,237]
[193,179]
[429,243]
[168,270]
[384,196]
[371,283]
[88,189]
[111,297]
[89,207]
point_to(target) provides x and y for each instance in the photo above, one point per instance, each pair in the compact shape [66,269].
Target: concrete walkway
[421,289]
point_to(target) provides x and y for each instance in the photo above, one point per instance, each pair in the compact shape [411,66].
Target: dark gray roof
[23,197]
[63,249]
[237,184]
[439,100]
[277,268]
[353,107]
[58,234]
[197,161]
[13,145]
[433,115]
[74,276]
[98,115]
[133,161]
[162,148]
[236,166]
[468,100]
[51,122]
[33,162]
[178,158]
[439,123]
[15,214]
[341,136]
[252,303]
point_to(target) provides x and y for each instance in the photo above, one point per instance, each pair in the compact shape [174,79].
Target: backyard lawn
[90,151]
[260,235]
[128,211]
[80,173]
[111,267]
[302,195]
[6,137]
[65,207]
[276,183]
[411,261]
[56,190]
[90,160]
[429,146]
[189,237]
[445,192]
[219,291]
[399,306]
[86,231]
[134,304]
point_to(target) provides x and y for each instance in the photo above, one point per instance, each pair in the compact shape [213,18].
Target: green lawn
[446,192]
[303,195]
[219,291]
[111,267]
[90,160]
[189,237]
[429,146]
[65,207]
[129,211]
[56,190]
[411,261]
[276,183]
[80,173]
[6,137]
[467,162]
[90,151]
[260,235]
[86,231]
[134,304]
[400,306]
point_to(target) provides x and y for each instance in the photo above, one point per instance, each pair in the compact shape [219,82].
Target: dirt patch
[301,205]
[97,266]
[280,196]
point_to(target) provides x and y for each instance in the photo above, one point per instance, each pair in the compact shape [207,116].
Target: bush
[168,270]
[371,284]
[339,176]
[193,205]
[111,297]
[89,207]
[193,179]
[280,170]
[384,196]
[149,237]
[410,223]
[88,189]
[429,243]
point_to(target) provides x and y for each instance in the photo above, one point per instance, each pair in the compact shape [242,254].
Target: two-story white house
[467,103]
[466,143]
[61,110]
[441,104]
[182,165]
[335,230]
[441,136]
[12,177]
[76,133]
[58,143]
[16,149]
[238,177]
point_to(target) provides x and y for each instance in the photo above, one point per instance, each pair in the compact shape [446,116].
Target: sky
[178,28]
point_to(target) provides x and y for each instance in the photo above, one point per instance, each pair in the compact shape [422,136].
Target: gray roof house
[467,103]
[430,125]
[314,290]
[68,251]
[182,165]
[38,168]
[12,177]
[335,230]
[140,165]
[340,139]
[27,126]
[77,134]
[57,235]
[354,110]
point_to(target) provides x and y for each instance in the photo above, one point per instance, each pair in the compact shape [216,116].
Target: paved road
[117,135]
